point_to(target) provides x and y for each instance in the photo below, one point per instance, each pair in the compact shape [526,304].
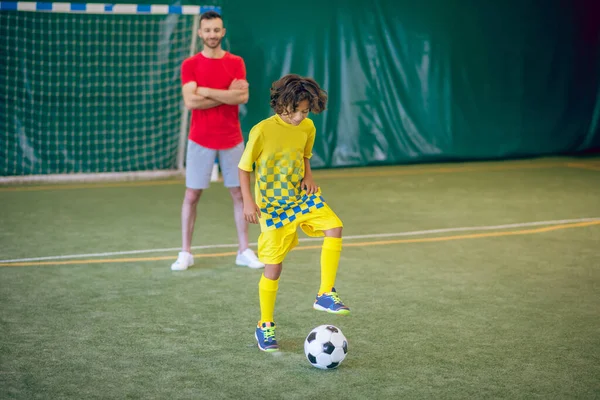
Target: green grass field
[466,281]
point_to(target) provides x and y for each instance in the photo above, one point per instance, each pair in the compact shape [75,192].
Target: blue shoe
[265,336]
[331,303]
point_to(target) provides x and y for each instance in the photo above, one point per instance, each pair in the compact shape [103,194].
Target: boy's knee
[334,232]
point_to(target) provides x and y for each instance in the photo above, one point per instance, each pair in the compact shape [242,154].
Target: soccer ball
[325,347]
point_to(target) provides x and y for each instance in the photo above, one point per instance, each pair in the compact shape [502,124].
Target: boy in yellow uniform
[288,198]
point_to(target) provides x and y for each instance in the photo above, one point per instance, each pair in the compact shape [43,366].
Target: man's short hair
[210,15]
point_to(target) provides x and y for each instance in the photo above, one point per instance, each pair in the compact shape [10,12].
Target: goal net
[92,91]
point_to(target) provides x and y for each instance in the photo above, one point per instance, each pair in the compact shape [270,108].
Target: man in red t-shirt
[214,84]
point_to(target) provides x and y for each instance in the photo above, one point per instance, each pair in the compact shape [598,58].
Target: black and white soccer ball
[325,347]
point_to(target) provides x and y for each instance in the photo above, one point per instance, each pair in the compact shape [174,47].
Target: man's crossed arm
[202,98]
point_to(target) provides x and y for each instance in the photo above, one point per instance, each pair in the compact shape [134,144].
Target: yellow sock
[330,260]
[267,292]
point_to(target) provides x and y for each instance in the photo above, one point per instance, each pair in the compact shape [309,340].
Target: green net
[84,93]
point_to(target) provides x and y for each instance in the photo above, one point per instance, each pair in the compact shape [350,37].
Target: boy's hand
[309,185]
[251,212]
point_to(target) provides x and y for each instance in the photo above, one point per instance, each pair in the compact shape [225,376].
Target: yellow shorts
[273,245]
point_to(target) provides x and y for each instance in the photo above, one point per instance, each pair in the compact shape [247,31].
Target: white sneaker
[247,258]
[184,260]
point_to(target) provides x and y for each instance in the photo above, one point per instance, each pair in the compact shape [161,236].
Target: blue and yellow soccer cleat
[331,303]
[265,336]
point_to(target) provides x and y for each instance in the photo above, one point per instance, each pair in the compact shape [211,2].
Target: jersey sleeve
[252,151]
[187,72]
[310,142]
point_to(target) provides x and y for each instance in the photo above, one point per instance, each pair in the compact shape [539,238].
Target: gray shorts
[199,164]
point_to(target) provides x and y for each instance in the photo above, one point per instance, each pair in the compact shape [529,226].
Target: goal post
[92,91]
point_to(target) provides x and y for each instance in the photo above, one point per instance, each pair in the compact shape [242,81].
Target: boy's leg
[267,294]
[319,222]
[273,246]
[327,298]
[267,291]
[330,259]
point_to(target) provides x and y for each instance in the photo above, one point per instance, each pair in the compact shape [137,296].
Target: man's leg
[188,217]
[229,160]
[245,257]
[240,222]
[199,163]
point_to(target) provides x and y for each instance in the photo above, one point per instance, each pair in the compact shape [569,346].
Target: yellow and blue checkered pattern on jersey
[281,197]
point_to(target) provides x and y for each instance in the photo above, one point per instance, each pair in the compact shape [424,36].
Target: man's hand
[239,84]
[220,95]
[193,100]
[251,212]
[203,91]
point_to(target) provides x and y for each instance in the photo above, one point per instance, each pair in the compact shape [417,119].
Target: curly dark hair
[290,90]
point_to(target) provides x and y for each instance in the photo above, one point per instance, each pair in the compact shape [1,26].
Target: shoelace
[269,333]
[335,297]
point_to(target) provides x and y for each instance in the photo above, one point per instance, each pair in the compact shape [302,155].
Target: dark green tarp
[432,80]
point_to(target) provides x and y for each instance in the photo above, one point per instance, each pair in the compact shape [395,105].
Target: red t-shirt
[218,127]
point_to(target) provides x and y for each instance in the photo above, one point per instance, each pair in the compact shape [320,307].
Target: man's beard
[216,44]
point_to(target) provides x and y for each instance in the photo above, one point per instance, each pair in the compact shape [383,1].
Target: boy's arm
[194,101]
[251,209]
[236,94]
[245,166]
[245,185]
[307,182]
[307,170]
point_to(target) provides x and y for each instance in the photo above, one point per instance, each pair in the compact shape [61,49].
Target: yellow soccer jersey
[278,150]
